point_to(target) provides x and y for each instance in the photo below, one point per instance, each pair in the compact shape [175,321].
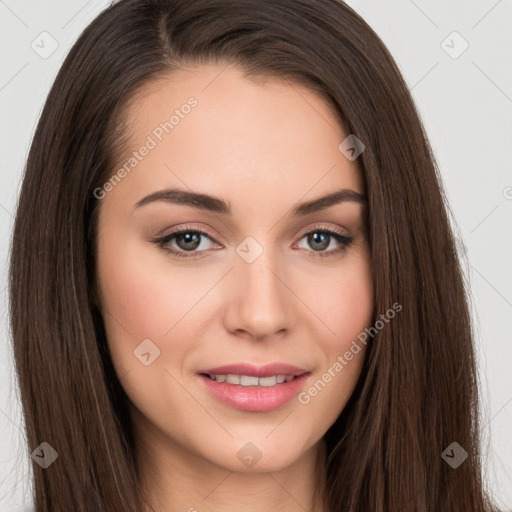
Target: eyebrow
[217,205]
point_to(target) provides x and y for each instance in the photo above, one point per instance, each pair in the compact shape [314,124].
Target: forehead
[213,130]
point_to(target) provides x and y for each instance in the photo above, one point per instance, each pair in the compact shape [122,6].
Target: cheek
[352,305]
[346,308]
[138,301]
[342,300]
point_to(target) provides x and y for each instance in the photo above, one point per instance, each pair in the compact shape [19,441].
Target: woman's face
[259,279]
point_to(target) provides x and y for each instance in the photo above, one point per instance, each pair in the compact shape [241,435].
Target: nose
[260,304]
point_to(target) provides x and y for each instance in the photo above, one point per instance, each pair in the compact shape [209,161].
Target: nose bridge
[261,300]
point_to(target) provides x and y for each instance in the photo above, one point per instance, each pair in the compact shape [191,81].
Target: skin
[262,147]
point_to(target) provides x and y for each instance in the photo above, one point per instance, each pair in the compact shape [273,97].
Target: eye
[185,241]
[322,238]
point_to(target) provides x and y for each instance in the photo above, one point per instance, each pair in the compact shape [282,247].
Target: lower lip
[255,398]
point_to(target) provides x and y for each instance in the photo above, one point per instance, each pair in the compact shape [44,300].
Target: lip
[254,398]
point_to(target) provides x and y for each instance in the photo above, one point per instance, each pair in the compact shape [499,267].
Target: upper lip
[267,370]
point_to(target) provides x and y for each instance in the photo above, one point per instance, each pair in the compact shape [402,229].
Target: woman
[232,255]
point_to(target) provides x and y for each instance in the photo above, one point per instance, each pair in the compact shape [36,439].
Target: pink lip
[255,398]
[255,371]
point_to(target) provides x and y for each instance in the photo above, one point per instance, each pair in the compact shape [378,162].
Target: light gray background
[465,103]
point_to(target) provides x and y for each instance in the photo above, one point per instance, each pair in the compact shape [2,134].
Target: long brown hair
[417,393]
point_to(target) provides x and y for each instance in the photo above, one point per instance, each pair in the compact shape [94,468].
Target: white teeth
[245,380]
[268,381]
[233,379]
[249,380]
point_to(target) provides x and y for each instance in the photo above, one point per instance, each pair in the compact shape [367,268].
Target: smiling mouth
[253,393]
[249,380]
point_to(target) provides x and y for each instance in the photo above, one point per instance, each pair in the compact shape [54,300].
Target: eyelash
[344,240]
